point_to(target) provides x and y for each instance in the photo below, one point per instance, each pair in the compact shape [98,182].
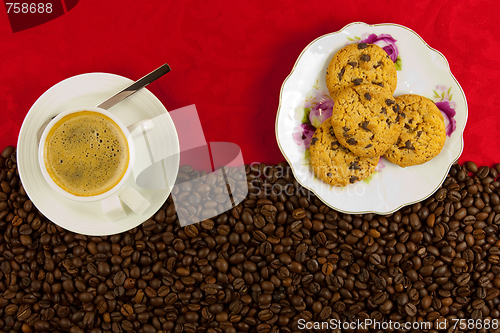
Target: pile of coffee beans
[278,257]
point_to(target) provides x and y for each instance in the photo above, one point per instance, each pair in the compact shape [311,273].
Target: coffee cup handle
[146,124]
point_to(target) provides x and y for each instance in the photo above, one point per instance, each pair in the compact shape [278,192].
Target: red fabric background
[230,58]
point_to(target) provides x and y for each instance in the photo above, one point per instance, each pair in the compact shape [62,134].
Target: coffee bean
[325,313]
[86,297]
[127,326]
[483,172]
[479,234]
[127,310]
[375,259]
[327,268]
[265,315]
[207,224]
[191,230]
[11,309]
[7,152]
[410,309]
[454,196]
[299,213]
[119,278]
[471,166]
[126,251]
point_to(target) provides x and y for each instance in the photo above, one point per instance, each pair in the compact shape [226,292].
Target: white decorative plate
[89,90]
[421,70]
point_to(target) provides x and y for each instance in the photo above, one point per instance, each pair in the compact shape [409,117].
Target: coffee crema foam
[86,153]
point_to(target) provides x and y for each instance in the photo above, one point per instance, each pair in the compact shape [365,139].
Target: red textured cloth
[230,58]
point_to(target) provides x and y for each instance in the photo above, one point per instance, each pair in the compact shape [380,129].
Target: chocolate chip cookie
[358,64]
[367,120]
[335,164]
[423,134]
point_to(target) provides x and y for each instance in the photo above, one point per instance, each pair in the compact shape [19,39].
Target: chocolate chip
[368,145]
[341,73]
[408,145]
[388,121]
[346,129]
[380,84]
[383,111]
[419,133]
[372,137]
[389,102]
[368,96]
[345,150]
[354,166]
[362,46]
[353,179]
[352,63]
[351,141]
[365,57]
[377,65]
[397,118]
[357,82]
[396,108]
[407,127]
[335,145]
[329,174]
[313,141]
[410,121]
[403,115]
[332,132]
[364,125]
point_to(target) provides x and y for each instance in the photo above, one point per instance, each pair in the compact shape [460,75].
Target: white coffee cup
[125,176]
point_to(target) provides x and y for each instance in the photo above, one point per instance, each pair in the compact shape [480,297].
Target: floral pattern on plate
[447,107]
[316,108]
[385,41]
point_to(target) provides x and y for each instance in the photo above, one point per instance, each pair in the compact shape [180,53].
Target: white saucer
[89,90]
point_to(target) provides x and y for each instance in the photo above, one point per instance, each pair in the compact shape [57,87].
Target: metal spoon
[120,96]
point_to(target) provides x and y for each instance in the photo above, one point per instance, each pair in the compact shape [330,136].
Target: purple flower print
[321,112]
[380,164]
[448,114]
[447,107]
[316,96]
[302,135]
[385,41]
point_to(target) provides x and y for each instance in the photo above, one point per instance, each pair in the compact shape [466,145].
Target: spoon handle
[134,87]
